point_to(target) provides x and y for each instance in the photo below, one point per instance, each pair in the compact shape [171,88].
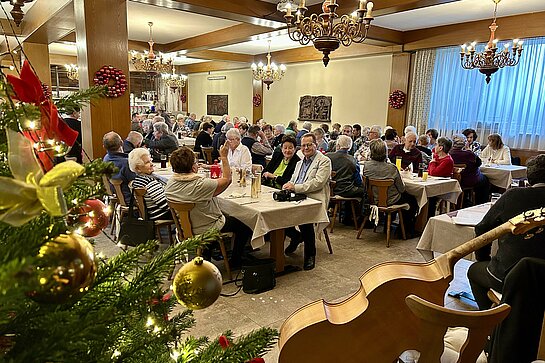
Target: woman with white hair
[163,143]
[279,131]
[239,155]
[155,199]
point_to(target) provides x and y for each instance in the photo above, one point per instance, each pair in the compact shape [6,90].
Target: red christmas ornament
[224,342]
[257,360]
[396,99]
[93,217]
[113,78]
[257,100]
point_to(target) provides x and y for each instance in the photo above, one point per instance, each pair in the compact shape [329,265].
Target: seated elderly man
[134,140]
[239,155]
[379,168]
[186,185]
[348,178]
[375,132]
[219,138]
[258,149]
[347,130]
[279,132]
[163,142]
[408,153]
[311,177]
[155,199]
[113,144]
[307,126]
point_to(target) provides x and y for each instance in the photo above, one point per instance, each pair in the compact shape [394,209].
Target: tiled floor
[335,276]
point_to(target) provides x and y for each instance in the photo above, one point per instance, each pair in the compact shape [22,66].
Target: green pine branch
[80,98]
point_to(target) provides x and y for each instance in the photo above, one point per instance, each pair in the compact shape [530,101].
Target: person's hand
[224,150]
[288,186]
[268,175]
[261,135]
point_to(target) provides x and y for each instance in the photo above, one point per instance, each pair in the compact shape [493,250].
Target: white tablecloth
[265,214]
[187,141]
[443,188]
[502,175]
[441,234]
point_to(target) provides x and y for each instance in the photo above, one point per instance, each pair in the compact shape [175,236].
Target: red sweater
[441,166]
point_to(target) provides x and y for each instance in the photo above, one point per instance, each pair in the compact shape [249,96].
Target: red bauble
[113,78]
[94,217]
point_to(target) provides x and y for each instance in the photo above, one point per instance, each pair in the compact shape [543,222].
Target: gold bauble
[198,284]
[66,268]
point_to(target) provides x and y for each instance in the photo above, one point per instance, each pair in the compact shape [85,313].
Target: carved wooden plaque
[217,105]
[315,108]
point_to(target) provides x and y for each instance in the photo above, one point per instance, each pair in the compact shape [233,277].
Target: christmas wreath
[396,99]
[113,78]
[257,100]
[183,98]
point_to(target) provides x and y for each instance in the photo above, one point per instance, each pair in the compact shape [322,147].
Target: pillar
[401,66]
[257,91]
[38,55]
[102,39]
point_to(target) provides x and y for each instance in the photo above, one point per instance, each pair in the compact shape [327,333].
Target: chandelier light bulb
[369,9]
[260,65]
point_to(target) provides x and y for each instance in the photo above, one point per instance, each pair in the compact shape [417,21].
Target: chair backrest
[140,202]
[107,186]
[180,212]
[381,186]
[435,320]
[207,154]
[457,173]
[117,187]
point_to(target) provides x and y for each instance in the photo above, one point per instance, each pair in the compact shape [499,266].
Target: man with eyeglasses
[364,153]
[311,177]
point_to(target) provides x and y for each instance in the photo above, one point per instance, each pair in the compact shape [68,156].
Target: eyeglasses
[306,145]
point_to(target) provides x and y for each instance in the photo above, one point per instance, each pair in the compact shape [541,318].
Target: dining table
[187,141]
[502,175]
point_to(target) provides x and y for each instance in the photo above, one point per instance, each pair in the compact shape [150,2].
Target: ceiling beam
[247,11]
[221,56]
[61,59]
[508,28]
[48,21]
[9,28]
[382,7]
[211,66]
[219,38]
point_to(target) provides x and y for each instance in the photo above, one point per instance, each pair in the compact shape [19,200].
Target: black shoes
[309,263]
[291,248]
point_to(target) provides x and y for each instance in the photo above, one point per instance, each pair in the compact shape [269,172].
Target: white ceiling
[279,41]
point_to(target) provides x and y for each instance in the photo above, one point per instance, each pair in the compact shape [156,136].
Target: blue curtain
[512,104]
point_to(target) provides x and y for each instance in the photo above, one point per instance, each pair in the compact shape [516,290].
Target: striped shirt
[155,199]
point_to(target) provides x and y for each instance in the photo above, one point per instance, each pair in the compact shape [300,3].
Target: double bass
[375,325]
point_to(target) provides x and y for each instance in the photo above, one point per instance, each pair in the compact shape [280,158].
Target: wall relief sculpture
[217,105]
[315,108]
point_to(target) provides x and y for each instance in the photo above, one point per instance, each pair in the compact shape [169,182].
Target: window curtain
[512,104]
[420,90]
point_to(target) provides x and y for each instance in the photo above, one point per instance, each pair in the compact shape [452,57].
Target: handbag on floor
[258,275]
[135,231]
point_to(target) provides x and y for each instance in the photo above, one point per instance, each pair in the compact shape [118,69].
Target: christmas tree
[59,301]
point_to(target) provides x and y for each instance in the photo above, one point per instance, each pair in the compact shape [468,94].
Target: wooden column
[38,55]
[257,113]
[102,39]
[401,66]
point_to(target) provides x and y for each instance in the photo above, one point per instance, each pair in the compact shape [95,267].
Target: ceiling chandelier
[17,11]
[148,61]
[327,31]
[490,60]
[174,81]
[268,73]
[72,72]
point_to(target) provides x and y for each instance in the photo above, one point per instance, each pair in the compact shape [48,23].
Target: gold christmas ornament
[198,284]
[66,268]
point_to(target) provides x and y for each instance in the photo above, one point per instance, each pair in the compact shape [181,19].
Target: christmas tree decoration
[93,217]
[198,284]
[65,270]
[30,191]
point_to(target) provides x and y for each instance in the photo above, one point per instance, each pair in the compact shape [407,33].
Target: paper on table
[468,217]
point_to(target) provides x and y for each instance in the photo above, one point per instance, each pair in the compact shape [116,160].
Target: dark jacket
[128,146]
[76,149]
[277,158]
[218,127]
[277,140]
[121,161]
[165,145]
[471,175]
[347,171]
[414,156]
[256,158]
[203,139]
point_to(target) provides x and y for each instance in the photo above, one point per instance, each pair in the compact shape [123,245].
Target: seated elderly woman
[163,142]
[155,199]
[320,139]
[179,126]
[496,152]
[282,165]
[379,168]
[472,143]
[239,155]
[186,185]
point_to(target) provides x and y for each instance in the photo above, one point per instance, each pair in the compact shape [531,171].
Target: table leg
[421,218]
[277,249]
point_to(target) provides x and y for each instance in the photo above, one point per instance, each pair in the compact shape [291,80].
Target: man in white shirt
[239,155]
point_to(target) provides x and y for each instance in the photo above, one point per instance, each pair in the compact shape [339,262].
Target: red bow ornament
[28,88]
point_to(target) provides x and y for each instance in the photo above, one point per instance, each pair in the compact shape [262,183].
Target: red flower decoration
[113,78]
[28,88]
[256,360]
[396,99]
[224,342]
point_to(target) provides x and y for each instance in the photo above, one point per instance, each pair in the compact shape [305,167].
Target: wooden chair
[207,154]
[465,191]
[382,185]
[123,207]
[435,320]
[112,201]
[337,201]
[180,212]
[141,204]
